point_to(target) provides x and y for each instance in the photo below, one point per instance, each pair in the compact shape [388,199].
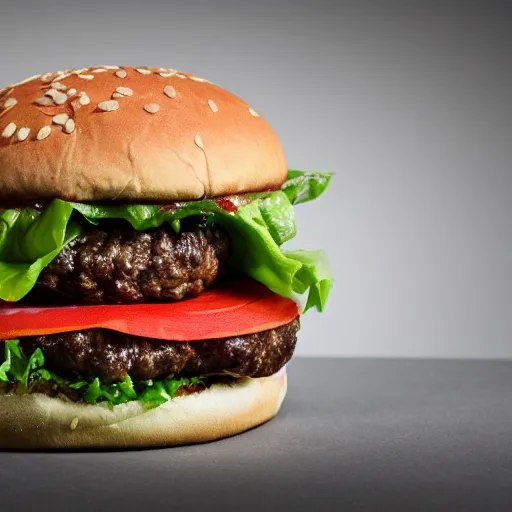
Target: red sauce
[167,207]
[227,205]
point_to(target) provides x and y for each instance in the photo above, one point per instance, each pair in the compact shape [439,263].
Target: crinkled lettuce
[263,222]
[28,372]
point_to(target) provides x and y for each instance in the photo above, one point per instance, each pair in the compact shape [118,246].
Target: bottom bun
[37,421]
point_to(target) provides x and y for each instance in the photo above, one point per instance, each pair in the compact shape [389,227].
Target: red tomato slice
[234,308]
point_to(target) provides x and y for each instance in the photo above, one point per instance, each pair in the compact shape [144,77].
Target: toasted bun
[164,136]
[37,421]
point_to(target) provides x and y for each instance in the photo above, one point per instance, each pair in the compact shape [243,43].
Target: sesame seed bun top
[131,134]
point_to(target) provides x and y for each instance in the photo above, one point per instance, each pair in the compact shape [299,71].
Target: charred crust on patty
[114,263]
[111,355]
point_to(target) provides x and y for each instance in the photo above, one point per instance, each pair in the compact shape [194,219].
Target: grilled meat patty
[116,264]
[111,355]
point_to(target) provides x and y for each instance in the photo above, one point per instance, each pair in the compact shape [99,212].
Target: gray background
[408,102]
[352,436]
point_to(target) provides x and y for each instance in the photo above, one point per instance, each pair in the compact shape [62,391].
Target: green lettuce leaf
[315,269]
[29,239]
[17,368]
[10,349]
[301,186]
[35,361]
[15,364]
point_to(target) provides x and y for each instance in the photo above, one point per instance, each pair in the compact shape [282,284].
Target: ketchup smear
[227,205]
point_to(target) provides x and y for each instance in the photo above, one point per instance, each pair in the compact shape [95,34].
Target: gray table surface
[352,435]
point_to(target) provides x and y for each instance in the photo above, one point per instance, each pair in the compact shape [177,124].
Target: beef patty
[116,264]
[111,355]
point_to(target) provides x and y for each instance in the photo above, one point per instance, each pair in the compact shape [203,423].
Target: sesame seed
[253,112]
[213,106]
[58,97]
[44,101]
[84,99]
[124,91]
[109,105]
[86,77]
[167,75]
[197,79]
[10,102]
[170,91]
[69,127]
[73,424]
[58,86]
[75,105]
[9,130]
[199,141]
[44,132]
[121,73]
[60,119]
[46,77]
[80,71]
[116,95]
[180,75]
[61,76]
[71,92]
[144,71]
[111,67]
[23,133]
[99,70]
[152,108]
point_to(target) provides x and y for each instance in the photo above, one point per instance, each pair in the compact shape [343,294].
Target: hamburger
[146,298]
